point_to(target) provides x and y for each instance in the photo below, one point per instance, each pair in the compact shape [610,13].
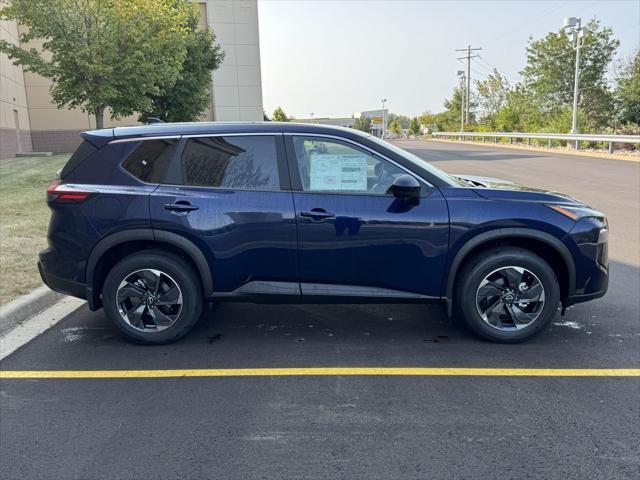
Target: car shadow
[604,333]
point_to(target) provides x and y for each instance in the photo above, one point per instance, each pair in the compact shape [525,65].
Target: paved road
[350,427]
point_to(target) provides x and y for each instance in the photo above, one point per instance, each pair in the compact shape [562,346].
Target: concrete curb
[26,306]
[531,148]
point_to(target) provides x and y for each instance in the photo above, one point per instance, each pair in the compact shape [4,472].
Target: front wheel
[507,294]
[153,297]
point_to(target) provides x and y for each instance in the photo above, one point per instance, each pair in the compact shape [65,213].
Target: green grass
[24,218]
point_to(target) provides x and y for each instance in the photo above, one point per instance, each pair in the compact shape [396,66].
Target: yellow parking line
[325,371]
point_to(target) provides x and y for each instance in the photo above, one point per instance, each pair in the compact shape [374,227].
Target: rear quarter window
[150,159]
[82,152]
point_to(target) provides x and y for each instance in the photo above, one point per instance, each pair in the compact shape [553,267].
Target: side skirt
[291,292]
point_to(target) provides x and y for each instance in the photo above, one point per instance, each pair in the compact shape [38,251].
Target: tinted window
[150,159]
[83,151]
[332,166]
[242,162]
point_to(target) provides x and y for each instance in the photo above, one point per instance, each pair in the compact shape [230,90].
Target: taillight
[60,192]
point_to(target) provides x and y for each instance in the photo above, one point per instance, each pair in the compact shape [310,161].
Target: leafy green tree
[362,123]
[449,120]
[628,91]
[102,54]
[395,126]
[548,77]
[189,96]
[492,96]
[414,126]
[403,119]
[279,115]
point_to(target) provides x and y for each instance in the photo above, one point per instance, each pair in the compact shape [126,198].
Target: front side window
[242,162]
[332,166]
[149,161]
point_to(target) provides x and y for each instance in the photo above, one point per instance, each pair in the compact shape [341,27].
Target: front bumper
[591,258]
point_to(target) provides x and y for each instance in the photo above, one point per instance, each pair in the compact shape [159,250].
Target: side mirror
[407,188]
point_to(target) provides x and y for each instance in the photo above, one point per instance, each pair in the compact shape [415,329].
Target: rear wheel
[153,297]
[507,294]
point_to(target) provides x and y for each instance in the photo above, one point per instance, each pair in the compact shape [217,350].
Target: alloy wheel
[510,298]
[149,300]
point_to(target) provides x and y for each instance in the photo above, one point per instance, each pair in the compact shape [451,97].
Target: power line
[506,74]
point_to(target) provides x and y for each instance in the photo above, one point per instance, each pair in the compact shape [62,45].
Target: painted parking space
[325,371]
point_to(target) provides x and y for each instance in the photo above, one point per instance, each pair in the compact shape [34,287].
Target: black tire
[179,271]
[482,265]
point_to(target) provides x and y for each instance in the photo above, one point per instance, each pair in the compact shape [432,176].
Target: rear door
[230,195]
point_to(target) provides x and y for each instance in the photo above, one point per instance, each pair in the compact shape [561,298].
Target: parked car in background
[152,222]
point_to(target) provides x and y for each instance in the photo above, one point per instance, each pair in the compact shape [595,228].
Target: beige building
[30,122]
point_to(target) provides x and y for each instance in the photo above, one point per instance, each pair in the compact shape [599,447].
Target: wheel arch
[541,243]
[130,241]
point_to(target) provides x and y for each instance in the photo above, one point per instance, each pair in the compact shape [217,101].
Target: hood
[497,189]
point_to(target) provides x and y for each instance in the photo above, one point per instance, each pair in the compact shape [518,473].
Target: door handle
[181,207]
[317,214]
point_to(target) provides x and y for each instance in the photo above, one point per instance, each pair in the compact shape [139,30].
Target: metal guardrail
[550,137]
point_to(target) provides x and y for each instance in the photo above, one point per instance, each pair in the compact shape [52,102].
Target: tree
[395,126]
[627,91]
[414,126]
[102,54]
[449,120]
[428,120]
[279,115]
[362,123]
[548,77]
[492,95]
[189,96]
[403,119]
[265,117]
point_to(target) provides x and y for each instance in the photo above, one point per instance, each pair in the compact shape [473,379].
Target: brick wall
[56,141]
[9,142]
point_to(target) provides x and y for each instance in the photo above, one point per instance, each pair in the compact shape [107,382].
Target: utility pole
[384,118]
[468,57]
[461,77]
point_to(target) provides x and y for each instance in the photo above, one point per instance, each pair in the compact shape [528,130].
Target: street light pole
[461,76]
[576,34]
[384,118]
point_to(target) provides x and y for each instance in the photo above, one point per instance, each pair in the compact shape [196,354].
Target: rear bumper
[62,285]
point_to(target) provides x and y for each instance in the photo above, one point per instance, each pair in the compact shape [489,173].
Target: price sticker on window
[338,172]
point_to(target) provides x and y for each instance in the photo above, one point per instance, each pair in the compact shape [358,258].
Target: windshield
[449,179]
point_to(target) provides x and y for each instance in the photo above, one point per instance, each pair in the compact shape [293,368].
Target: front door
[354,238]
[230,196]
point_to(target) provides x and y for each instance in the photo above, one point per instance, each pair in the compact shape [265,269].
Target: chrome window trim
[142,139]
[292,134]
[364,147]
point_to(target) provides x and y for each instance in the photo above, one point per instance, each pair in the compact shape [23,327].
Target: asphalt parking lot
[342,426]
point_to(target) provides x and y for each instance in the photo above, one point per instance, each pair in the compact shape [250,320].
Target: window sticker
[338,172]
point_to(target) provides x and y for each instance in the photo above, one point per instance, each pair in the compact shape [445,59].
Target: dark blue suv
[152,222]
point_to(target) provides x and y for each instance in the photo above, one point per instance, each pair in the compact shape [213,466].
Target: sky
[334,58]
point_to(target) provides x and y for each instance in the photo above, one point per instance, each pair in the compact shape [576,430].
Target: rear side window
[83,151]
[242,162]
[149,161]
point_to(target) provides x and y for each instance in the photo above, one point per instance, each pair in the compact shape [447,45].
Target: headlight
[577,212]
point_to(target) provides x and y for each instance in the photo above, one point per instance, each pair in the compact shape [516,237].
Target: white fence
[550,137]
